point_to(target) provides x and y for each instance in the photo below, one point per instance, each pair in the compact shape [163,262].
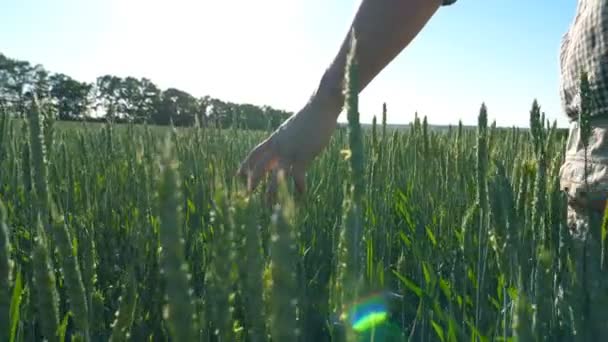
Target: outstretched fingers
[265,158]
[261,160]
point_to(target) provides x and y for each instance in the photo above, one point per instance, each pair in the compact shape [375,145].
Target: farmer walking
[383,29]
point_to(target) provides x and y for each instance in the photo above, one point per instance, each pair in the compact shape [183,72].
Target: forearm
[383,28]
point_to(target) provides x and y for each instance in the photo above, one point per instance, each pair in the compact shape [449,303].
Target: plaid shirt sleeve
[584,48]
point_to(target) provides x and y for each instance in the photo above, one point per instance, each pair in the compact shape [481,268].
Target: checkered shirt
[585,47]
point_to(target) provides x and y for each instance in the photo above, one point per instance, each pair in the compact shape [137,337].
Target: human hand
[291,148]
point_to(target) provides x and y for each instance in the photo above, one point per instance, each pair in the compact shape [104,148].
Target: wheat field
[141,233]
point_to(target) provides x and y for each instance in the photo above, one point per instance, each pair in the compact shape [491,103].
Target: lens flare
[368,313]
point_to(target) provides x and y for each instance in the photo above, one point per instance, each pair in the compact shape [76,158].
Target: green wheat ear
[584,116]
[39,158]
[522,317]
[124,316]
[349,270]
[45,285]
[179,311]
[5,275]
[70,268]
[374,134]
[384,113]
[585,109]
[355,138]
[252,282]
[283,249]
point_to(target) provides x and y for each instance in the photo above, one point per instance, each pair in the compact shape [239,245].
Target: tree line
[127,99]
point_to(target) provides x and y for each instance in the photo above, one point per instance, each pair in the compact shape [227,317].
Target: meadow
[142,233]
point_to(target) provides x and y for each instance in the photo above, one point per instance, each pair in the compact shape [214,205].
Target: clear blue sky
[503,52]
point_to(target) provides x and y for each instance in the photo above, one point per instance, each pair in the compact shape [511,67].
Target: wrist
[328,99]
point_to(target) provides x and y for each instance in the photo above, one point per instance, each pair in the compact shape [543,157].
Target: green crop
[137,232]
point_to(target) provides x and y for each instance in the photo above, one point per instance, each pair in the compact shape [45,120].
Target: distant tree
[204,104]
[15,81]
[149,99]
[108,95]
[5,77]
[22,82]
[41,82]
[176,106]
[216,112]
[275,117]
[247,116]
[129,98]
[138,98]
[72,98]
[252,117]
